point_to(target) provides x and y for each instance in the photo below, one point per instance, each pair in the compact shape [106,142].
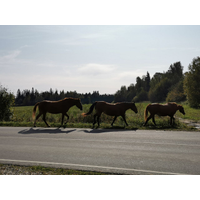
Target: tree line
[31,97]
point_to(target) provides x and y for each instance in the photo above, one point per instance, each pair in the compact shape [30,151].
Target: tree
[131,93]
[138,85]
[6,102]
[141,96]
[19,98]
[162,83]
[192,83]
[159,92]
[32,97]
[147,82]
[176,94]
[121,95]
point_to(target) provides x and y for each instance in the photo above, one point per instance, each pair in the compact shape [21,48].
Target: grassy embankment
[40,170]
[23,117]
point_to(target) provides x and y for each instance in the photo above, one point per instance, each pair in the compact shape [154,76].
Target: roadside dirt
[189,122]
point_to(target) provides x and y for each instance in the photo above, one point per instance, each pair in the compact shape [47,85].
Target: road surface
[113,151]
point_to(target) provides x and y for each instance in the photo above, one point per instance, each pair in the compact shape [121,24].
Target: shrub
[6,102]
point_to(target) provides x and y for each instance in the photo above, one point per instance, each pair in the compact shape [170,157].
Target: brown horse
[56,107]
[168,109]
[116,110]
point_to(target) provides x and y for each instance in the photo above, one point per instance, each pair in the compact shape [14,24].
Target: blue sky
[91,58]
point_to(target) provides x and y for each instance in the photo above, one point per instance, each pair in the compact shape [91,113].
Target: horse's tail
[91,109]
[34,110]
[146,113]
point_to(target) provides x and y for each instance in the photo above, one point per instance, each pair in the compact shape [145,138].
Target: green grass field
[23,117]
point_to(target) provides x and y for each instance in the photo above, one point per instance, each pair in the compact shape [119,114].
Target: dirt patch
[193,123]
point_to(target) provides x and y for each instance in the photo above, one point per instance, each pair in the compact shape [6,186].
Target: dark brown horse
[116,110]
[168,109]
[56,107]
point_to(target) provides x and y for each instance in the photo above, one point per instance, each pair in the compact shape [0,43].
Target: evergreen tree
[147,82]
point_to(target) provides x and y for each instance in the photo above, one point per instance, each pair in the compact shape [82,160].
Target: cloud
[10,56]
[94,69]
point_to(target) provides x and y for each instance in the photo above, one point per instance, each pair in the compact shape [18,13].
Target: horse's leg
[44,119]
[94,120]
[124,118]
[37,119]
[63,115]
[172,121]
[148,120]
[114,120]
[98,117]
[153,119]
[67,117]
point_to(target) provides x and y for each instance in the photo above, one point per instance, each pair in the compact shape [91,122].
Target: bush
[6,102]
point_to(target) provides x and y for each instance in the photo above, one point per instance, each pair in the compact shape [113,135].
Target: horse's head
[181,109]
[134,108]
[78,104]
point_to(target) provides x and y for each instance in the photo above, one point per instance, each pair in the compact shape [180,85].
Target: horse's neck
[70,102]
[127,106]
[175,107]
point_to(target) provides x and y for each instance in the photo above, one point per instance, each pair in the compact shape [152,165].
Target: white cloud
[94,69]
[10,56]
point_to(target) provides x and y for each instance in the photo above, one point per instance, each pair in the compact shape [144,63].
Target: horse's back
[112,109]
[154,108]
[53,107]
[162,109]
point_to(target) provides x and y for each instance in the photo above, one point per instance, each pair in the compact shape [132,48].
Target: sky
[87,58]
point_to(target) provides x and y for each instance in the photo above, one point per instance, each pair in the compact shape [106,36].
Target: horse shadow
[114,129]
[42,130]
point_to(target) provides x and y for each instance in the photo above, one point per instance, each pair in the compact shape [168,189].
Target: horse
[55,107]
[168,109]
[117,109]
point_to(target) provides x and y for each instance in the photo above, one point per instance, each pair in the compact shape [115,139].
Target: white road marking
[89,166]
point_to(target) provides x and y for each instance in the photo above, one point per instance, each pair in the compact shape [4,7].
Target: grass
[23,117]
[191,113]
[40,170]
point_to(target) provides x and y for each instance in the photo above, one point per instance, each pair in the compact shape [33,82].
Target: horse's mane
[172,103]
[69,98]
[124,103]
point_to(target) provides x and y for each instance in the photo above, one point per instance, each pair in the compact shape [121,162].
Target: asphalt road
[116,151]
